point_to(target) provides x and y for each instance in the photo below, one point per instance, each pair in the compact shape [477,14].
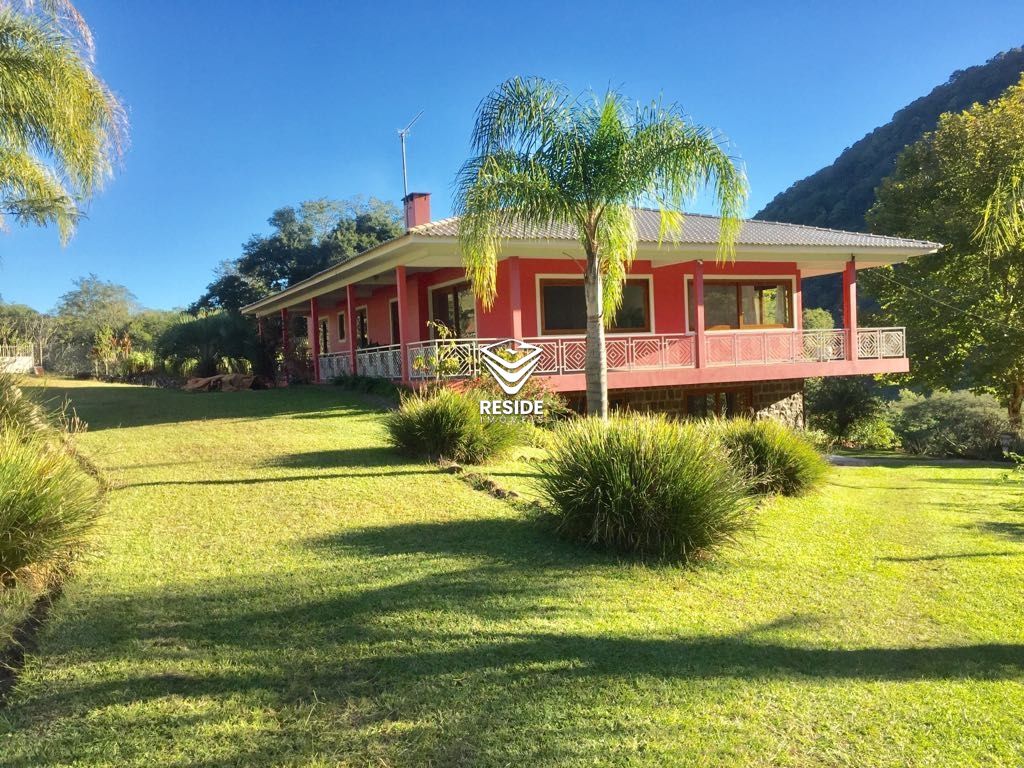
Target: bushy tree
[305,240]
[963,307]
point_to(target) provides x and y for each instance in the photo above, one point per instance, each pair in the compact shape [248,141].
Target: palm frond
[31,193]
[56,110]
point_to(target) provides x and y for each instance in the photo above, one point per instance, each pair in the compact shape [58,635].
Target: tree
[306,239]
[61,128]
[963,307]
[95,306]
[542,156]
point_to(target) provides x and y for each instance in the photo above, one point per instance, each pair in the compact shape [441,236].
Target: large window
[563,307]
[454,306]
[746,304]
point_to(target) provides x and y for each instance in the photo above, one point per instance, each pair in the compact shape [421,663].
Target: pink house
[692,336]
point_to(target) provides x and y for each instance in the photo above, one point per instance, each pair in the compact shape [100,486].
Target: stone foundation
[780,399]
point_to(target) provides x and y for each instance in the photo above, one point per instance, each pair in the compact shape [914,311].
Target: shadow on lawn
[399,623]
[109,407]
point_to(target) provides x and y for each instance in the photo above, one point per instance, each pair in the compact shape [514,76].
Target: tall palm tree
[61,128]
[542,156]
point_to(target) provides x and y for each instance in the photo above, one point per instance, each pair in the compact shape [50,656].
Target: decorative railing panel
[335,364]
[380,362]
[560,355]
[881,343]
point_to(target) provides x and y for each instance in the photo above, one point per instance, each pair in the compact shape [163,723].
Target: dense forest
[839,195]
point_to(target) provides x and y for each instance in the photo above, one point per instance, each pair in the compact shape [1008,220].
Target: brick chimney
[417,209]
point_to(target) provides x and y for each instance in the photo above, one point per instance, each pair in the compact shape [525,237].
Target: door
[395,337]
[362,329]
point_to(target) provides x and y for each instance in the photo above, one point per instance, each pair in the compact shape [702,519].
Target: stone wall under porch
[781,399]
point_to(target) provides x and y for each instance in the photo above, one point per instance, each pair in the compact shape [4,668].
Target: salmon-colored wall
[669,305]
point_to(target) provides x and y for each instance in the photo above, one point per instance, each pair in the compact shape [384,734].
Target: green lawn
[271,586]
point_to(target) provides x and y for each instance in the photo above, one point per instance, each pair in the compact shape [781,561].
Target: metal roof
[699,229]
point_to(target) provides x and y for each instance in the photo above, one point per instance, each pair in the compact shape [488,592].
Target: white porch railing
[880,343]
[380,362]
[460,358]
[335,364]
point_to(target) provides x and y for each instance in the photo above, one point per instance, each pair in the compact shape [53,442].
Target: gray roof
[700,229]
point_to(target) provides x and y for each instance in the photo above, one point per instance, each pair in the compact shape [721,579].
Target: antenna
[401,136]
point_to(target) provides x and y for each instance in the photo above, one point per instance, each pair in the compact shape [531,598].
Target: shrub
[773,457]
[821,440]
[836,403]
[957,424]
[643,484]
[46,506]
[818,319]
[873,434]
[17,410]
[445,424]
[555,408]
[370,385]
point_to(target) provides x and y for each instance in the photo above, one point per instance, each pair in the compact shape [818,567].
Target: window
[395,336]
[563,307]
[342,326]
[747,304]
[454,306]
[362,328]
[727,404]
[323,337]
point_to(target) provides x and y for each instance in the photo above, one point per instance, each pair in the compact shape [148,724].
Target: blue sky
[238,108]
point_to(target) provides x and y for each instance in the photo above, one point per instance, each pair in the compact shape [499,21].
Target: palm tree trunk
[1014,405]
[596,368]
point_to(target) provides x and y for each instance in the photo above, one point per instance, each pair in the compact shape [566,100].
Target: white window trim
[741,279]
[576,276]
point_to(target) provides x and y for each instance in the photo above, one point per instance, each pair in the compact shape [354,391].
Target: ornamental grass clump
[643,484]
[773,457]
[47,504]
[445,424]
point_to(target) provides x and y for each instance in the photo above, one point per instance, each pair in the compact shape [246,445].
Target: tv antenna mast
[401,136]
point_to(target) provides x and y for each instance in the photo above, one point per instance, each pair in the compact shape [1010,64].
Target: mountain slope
[839,195]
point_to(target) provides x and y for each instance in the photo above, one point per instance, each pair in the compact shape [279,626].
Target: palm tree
[542,156]
[61,129]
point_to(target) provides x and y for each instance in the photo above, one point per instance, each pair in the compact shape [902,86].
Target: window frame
[448,285]
[342,318]
[570,280]
[392,311]
[755,280]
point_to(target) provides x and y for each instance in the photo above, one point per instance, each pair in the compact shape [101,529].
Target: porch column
[259,327]
[700,348]
[850,307]
[314,314]
[798,303]
[350,315]
[515,297]
[403,329]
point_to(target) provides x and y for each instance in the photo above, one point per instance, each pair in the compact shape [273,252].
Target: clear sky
[238,108]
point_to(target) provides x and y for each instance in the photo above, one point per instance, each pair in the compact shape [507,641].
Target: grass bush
[445,424]
[47,504]
[774,458]
[17,410]
[643,484]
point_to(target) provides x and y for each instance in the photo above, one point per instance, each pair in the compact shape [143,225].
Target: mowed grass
[272,586]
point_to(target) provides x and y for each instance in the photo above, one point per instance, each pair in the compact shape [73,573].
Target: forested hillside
[839,195]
